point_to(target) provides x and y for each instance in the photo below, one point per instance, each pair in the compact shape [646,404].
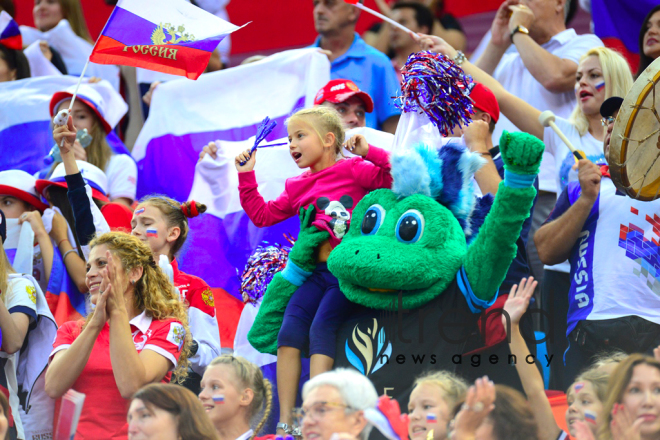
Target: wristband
[62,241]
[294,274]
[514,180]
[67,253]
[519,28]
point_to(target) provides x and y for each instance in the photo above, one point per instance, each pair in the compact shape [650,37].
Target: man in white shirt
[541,71]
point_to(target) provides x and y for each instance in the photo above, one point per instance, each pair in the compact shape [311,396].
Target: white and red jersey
[104,412]
[201,317]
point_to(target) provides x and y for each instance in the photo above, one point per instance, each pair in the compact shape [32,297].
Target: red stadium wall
[275,24]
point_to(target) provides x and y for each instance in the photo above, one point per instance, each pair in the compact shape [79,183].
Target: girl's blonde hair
[607,358]
[323,120]
[72,11]
[454,387]
[5,270]
[250,376]
[618,81]
[154,293]
[617,385]
[98,151]
[176,215]
[597,378]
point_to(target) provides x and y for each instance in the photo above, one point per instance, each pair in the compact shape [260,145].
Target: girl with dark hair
[13,64]
[164,412]
[649,40]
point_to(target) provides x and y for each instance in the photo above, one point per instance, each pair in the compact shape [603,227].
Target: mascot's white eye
[372,220]
[410,227]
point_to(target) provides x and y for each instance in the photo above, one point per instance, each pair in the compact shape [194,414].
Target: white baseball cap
[19,184]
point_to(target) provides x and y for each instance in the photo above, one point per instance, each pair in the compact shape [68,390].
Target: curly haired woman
[136,335]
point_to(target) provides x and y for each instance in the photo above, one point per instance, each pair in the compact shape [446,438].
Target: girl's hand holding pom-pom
[248,158]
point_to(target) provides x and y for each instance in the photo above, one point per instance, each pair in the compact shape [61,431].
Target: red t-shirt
[104,412]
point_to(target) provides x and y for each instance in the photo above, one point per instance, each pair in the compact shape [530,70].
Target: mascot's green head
[411,239]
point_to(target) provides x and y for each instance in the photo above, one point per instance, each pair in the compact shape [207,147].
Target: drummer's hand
[589,176]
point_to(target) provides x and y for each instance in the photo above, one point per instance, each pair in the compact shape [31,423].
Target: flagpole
[82,75]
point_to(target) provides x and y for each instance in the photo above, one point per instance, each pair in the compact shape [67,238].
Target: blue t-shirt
[373,73]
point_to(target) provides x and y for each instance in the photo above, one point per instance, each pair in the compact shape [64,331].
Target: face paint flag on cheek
[590,417]
[152,233]
[219,399]
[431,418]
[600,86]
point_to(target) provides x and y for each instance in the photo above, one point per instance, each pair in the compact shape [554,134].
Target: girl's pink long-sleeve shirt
[334,191]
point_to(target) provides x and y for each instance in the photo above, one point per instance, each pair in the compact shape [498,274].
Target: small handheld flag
[169,36]
[359,5]
[10,35]
[152,233]
[431,418]
[219,399]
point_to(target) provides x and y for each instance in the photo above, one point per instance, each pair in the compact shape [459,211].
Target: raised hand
[623,425]
[479,402]
[518,301]
[500,27]
[589,176]
[211,149]
[435,44]
[34,219]
[249,157]
[114,284]
[357,145]
[66,132]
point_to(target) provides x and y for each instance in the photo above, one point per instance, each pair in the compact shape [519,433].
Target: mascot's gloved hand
[301,264]
[301,261]
[521,154]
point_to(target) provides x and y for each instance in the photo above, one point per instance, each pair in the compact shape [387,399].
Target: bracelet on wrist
[67,253]
[459,58]
[62,241]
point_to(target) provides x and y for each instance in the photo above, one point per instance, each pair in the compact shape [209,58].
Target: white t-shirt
[21,297]
[516,78]
[564,161]
[121,171]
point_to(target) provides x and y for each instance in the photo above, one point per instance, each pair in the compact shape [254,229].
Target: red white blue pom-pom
[435,85]
[260,269]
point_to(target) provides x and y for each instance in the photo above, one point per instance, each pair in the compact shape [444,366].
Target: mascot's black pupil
[408,228]
[369,222]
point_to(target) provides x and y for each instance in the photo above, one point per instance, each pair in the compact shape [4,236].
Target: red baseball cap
[339,90]
[485,101]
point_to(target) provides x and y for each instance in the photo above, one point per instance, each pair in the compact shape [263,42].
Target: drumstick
[547,119]
[359,5]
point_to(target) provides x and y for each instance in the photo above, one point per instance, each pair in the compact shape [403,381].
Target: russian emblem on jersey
[177,334]
[207,297]
[32,293]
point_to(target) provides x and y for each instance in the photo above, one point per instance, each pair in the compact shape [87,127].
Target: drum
[635,143]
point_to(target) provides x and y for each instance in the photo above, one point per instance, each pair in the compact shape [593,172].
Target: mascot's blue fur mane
[446,176]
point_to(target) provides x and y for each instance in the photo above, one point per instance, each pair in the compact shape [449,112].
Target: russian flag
[10,35]
[169,36]
[29,121]
[617,23]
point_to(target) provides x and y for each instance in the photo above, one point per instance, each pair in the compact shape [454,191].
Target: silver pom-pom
[61,118]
